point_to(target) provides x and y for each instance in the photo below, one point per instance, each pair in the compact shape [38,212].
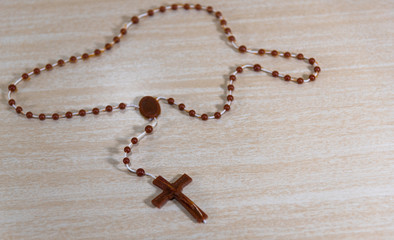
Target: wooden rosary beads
[149,107]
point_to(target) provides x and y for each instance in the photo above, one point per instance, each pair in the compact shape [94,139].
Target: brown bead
[300,56]
[108,108]
[227,30]
[171,101]
[239,69]
[317,69]
[73,59]
[231,38]
[230,87]
[261,52]
[82,113]
[11,102]
[123,31]
[217,115]
[311,61]
[55,116]
[242,49]
[122,106]
[140,172]
[126,160]
[218,14]
[69,114]
[18,109]
[287,54]
[233,77]
[209,9]
[97,52]
[204,117]
[162,9]
[197,7]
[42,117]
[151,12]
[274,53]
[275,73]
[48,67]
[174,6]
[312,77]
[186,6]
[149,107]
[29,115]
[127,149]
[134,140]
[60,62]
[25,76]
[223,22]
[85,56]
[181,106]
[135,19]
[227,107]
[95,111]
[108,46]
[300,80]
[230,98]
[12,88]
[37,71]
[287,78]
[192,113]
[257,67]
[116,39]
[148,129]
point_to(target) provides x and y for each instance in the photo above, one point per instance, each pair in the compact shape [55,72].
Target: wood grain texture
[311,161]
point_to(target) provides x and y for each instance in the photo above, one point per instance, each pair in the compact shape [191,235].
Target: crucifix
[174,191]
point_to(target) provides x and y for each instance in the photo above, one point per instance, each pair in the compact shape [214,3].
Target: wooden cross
[174,191]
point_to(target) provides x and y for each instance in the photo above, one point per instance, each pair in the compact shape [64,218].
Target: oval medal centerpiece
[149,107]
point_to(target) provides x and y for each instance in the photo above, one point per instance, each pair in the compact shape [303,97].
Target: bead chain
[192,113]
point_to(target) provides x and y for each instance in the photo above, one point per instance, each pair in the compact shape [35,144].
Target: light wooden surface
[311,161]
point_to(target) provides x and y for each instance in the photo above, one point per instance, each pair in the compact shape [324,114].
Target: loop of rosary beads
[149,107]
[123,31]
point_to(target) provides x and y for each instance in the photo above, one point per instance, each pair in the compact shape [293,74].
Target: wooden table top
[289,161]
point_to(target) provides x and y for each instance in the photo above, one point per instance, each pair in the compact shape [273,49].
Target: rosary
[149,107]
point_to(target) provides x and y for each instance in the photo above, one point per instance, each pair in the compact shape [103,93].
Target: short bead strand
[126,159]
